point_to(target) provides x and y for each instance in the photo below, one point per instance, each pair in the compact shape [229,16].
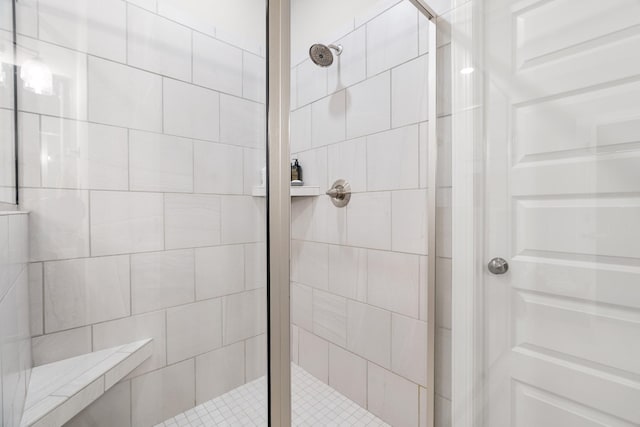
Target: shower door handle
[498,266]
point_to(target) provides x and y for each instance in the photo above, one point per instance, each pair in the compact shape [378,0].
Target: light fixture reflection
[467,70]
[37,77]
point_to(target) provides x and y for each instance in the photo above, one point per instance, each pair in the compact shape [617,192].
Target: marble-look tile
[61,345]
[217,168]
[219,371]
[391,397]
[135,328]
[255,357]
[219,271]
[314,355]
[409,221]
[191,220]
[302,306]
[242,122]
[255,270]
[111,409]
[348,374]
[243,219]
[409,348]
[311,82]
[393,282]
[126,222]
[254,81]
[217,65]
[369,106]
[36,299]
[369,220]
[310,263]
[348,161]
[351,66]
[410,92]
[158,44]
[160,162]
[348,272]
[300,129]
[161,279]
[81,292]
[124,96]
[161,394]
[244,315]
[369,332]
[328,119]
[193,329]
[58,223]
[393,160]
[330,317]
[190,111]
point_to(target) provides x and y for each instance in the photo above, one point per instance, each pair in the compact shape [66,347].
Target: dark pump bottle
[296,171]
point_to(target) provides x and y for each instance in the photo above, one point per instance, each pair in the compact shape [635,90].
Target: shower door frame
[279,209]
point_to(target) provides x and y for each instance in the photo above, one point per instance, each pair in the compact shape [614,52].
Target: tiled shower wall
[137,172]
[15,342]
[359,273]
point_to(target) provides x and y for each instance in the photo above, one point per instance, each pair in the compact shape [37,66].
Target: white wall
[15,343]
[138,173]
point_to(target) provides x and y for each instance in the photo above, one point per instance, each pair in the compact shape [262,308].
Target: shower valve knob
[498,266]
[340,193]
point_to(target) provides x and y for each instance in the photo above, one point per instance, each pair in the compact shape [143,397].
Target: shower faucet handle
[340,193]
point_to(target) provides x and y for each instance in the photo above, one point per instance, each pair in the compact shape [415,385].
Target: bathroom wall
[359,307]
[137,171]
[7,110]
[15,342]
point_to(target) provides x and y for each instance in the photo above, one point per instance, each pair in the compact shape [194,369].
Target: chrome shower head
[322,56]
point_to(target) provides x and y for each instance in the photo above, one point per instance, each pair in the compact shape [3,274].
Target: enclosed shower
[408,213]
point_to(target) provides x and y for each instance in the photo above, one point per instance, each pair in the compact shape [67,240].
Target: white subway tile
[255,357]
[135,328]
[219,271]
[409,221]
[310,263]
[348,374]
[58,223]
[302,306]
[410,92]
[311,82]
[81,292]
[351,66]
[393,159]
[160,162]
[369,106]
[392,38]
[157,44]
[95,26]
[369,220]
[191,111]
[393,282]
[255,270]
[300,129]
[330,317]
[217,168]
[82,155]
[68,96]
[124,96]
[348,160]
[314,355]
[193,329]
[369,332]
[161,279]
[244,315]
[392,398]
[328,119]
[125,222]
[219,371]
[348,272]
[242,122]
[161,394]
[409,348]
[217,65]
[191,220]
[60,345]
[243,219]
[254,79]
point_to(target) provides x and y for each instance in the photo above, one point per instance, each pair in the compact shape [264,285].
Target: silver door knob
[498,266]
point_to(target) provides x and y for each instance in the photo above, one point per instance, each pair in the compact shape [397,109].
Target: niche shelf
[302,191]
[58,391]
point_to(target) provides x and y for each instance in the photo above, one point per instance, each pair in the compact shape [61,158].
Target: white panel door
[562,336]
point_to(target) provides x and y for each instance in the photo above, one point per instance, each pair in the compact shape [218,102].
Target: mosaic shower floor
[314,404]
